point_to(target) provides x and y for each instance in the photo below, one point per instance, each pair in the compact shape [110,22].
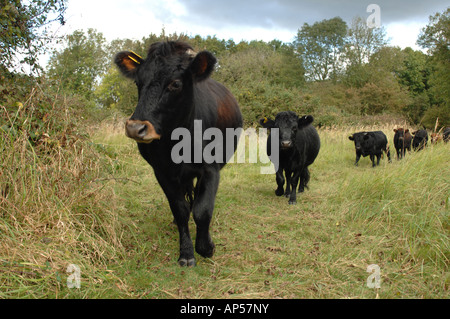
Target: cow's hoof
[292,202]
[206,251]
[279,192]
[187,263]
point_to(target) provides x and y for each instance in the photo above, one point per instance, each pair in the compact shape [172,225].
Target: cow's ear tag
[265,120]
[133,59]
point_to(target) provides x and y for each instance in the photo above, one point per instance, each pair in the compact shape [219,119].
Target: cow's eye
[175,85]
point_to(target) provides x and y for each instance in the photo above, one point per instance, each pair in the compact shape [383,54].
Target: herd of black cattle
[374,143]
[299,146]
[175,90]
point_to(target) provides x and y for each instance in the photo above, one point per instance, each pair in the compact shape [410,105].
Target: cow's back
[216,106]
[380,140]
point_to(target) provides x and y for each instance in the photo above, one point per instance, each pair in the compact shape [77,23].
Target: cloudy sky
[243,19]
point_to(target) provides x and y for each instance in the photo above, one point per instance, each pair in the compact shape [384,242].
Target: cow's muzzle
[141,131]
[286,144]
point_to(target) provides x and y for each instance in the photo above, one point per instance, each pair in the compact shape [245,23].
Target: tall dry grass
[55,207]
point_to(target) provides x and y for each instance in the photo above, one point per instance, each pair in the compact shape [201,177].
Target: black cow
[420,140]
[176,91]
[370,144]
[402,142]
[446,134]
[299,144]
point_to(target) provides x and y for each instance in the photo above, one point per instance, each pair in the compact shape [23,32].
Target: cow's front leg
[294,183]
[181,211]
[287,193]
[372,158]
[358,156]
[280,182]
[304,179]
[203,208]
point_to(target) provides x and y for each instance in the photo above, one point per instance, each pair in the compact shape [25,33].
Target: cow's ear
[267,123]
[305,120]
[128,62]
[351,138]
[202,65]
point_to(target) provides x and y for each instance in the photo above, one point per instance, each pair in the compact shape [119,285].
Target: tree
[320,45]
[361,43]
[24,32]
[414,71]
[436,38]
[80,65]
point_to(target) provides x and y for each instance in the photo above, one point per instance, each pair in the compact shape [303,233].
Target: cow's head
[401,133]
[288,124]
[165,81]
[363,140]
[420,139]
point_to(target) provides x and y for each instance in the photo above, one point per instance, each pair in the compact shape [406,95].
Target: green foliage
[367,77]
[437,112]
[362,42]
[79,66]
[116,93]
[436,35]
[263,76]
[414,71]
[31,112]
[24,29]
[436,38]
[386,96]
[264,79]
[320,45]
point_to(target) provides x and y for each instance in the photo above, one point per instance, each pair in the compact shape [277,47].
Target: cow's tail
[190,194]
[388,152]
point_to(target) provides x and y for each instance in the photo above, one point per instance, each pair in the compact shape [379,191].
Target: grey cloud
[292,14]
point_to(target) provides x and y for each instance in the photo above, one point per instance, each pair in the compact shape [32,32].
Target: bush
[54,211]
[430,116]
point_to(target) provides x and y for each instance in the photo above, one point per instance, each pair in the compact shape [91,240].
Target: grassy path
[395,216]
[95,203]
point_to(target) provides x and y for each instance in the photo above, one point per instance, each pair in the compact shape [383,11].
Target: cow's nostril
[142,131]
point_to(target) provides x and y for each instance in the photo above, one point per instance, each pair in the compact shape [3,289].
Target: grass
[115,222]
[395,215]
[53,210]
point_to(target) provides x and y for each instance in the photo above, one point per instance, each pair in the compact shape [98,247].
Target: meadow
[96,204]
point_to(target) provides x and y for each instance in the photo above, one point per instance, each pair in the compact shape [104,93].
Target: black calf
[299,144]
